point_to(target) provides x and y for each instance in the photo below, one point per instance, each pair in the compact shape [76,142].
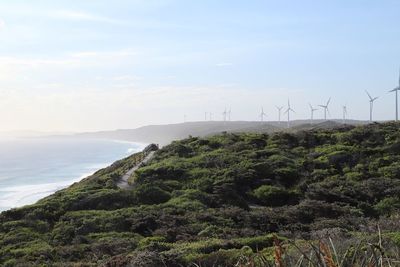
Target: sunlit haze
[100,65]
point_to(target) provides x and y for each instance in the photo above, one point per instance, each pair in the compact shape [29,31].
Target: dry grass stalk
[327,255]
[278,252]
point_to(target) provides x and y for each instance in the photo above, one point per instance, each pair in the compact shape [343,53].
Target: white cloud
[72,60]
[82,16]
[32,62]
[62,14]
[2,24]
[104,54]
[224,64]
[125,78]
[90,109]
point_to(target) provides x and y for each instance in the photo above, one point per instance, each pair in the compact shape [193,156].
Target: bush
[147,194]
[388,205]
[274,196]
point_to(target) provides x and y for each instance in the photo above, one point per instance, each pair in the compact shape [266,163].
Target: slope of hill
[212,201]
[164,134]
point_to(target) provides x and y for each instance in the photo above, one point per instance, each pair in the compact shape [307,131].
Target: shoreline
[20,193]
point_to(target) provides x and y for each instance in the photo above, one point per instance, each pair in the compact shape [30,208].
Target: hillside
[218,200]
[165,134]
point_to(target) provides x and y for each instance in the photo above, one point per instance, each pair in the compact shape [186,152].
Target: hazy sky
[101,64]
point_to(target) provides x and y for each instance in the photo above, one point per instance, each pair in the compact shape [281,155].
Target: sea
[33,168]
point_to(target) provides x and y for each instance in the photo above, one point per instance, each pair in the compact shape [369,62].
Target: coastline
[19,192]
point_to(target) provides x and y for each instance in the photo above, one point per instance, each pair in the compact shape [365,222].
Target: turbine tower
[224,114]
[262,114]
[229,114]
[397,89]
[279,113]
[325,107]
[344,113]
[288,110]
[312,112]
[371,104]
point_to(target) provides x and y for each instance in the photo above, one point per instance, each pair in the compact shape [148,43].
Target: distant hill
[164,134]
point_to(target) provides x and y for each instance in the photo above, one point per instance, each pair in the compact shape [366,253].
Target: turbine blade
[327,104]
[370,97]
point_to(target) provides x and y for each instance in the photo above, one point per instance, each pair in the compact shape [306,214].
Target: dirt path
[123,182]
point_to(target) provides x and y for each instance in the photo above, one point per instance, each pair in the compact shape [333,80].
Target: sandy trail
[123,182]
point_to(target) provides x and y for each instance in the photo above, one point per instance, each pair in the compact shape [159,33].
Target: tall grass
[379,252]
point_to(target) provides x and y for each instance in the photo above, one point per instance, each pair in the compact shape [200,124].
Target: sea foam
[35,168]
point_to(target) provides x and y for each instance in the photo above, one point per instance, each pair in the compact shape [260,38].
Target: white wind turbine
[344,113]
[312,112]
[397,89]
[229,114]
[325,107]
[224,114]
[371,104]
[288,110]
[262,114]
[279,113]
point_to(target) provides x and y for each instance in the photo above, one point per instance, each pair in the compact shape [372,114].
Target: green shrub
[147,194]
[388,205]
[274,196]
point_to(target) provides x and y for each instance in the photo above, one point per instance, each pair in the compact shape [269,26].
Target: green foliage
[274,196]
[213,200]
[388,205]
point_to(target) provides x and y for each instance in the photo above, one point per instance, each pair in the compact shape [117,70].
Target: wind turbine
[279,113]
[229,114]
[262,114]
[344,113]
[312,112]
[205,116]
[397,89]
[371,104]
[325,107]
[224,114]
[288,110]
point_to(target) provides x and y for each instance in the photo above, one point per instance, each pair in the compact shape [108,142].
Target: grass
[380,252]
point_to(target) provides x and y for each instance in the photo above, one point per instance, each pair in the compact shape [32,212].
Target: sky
[100,65]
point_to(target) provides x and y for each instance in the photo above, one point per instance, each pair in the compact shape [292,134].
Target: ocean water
[31,169]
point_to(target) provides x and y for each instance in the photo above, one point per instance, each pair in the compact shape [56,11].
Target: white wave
[21,195]
[137,147]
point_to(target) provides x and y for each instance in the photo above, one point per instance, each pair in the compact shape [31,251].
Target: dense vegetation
[211,201]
